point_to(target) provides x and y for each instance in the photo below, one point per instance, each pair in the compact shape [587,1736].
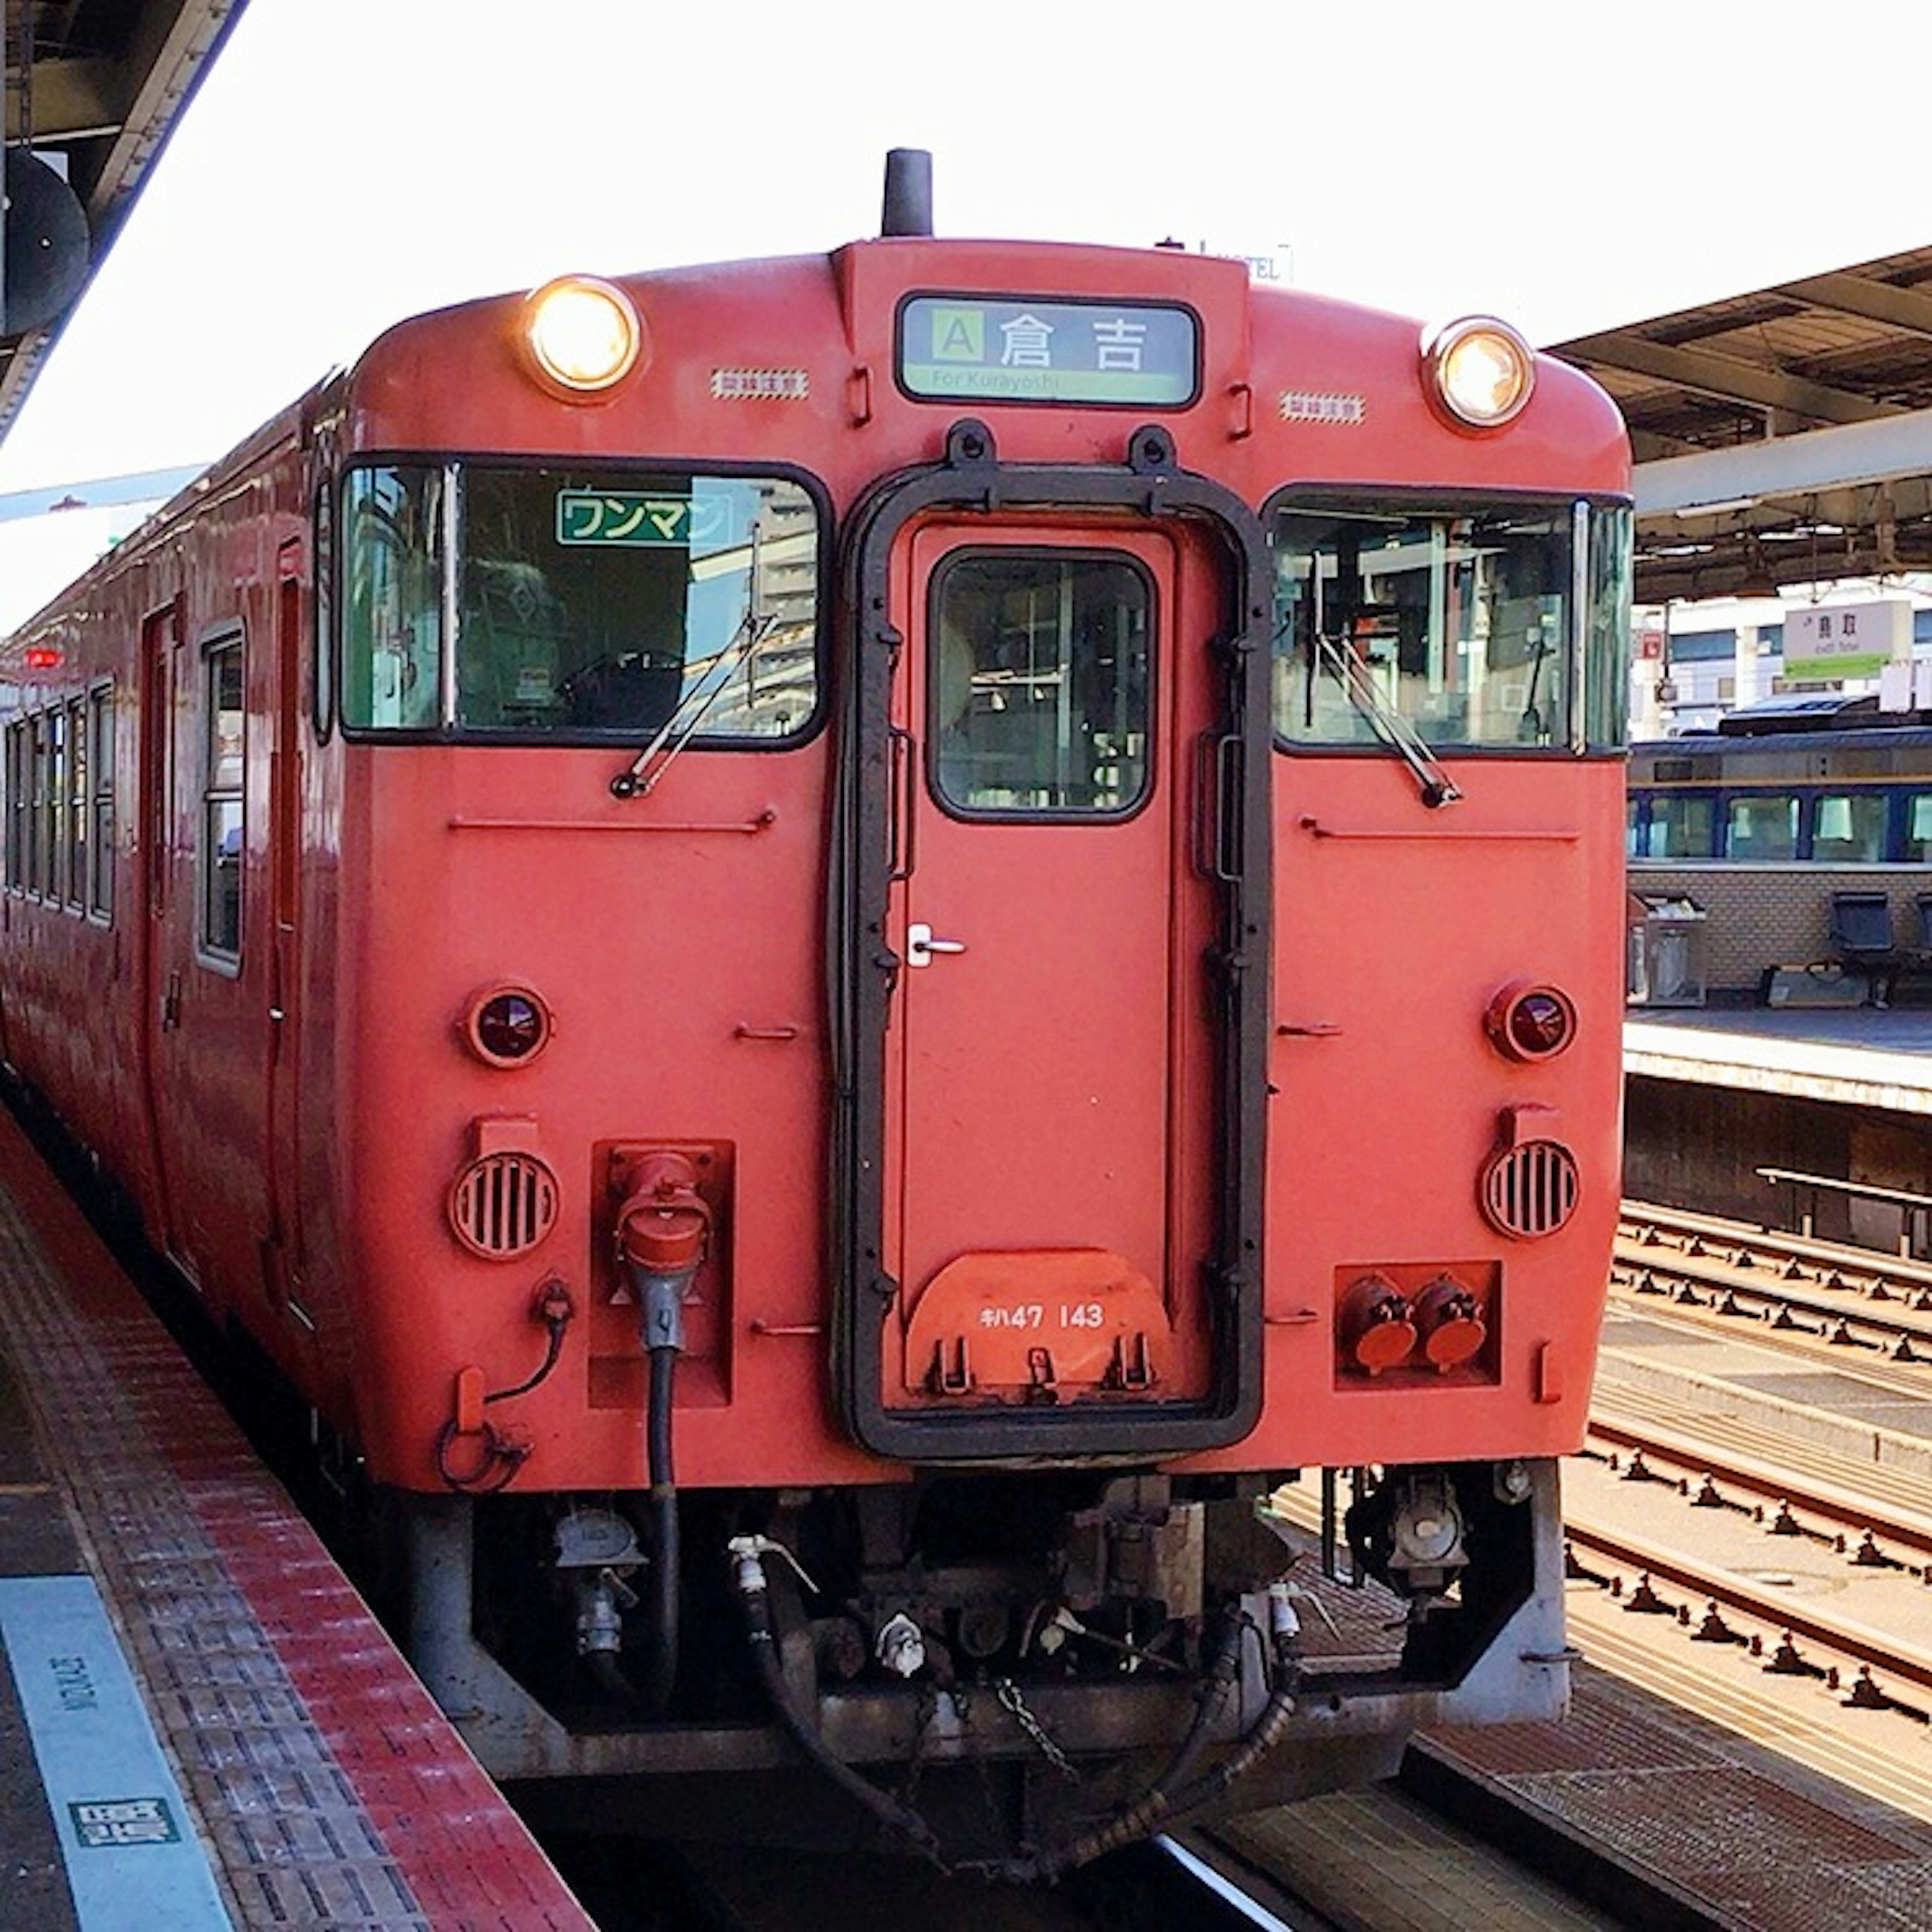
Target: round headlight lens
[582,333]
[1484,371]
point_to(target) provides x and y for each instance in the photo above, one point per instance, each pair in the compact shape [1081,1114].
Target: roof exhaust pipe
[908,209]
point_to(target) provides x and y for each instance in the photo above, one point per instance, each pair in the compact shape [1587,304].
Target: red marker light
[1530,1023]
[506,1025]
[42,657]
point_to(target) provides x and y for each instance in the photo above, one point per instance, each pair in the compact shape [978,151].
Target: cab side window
[222,750]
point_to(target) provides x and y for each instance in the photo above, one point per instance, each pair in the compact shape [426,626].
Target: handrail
[1866,1190]
[1915,1210]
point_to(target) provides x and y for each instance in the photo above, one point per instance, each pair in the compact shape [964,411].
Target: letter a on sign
[959,335]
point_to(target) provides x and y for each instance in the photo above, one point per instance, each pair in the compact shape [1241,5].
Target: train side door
[1054,1192]
[161,970]
[280,1244]
[204,1015]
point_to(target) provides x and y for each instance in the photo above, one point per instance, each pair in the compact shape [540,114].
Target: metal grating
[1531,1190]
[503,1205]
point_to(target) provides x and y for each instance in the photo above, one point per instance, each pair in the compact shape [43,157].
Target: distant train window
[1918,828]
[392,585]
[221,827]
[1677,827]
[1848,828]
[1458,623]
[100,863]
[76,803]
[586,604]
[1038,684]
[1761,827]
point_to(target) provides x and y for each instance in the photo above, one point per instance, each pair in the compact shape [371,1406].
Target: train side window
[1040,696]
[1679,827]
[17,802]
[101,833]
[392,519]
[1918,809]
[1848,828]
[1761,826]
[76,863]
[33,871]
[221,826]
[54,829]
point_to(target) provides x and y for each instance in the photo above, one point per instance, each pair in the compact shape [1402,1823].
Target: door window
[221,803]
[1040,691]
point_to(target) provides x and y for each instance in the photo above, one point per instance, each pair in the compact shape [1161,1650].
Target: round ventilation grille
[503,1205]
[1531,1190]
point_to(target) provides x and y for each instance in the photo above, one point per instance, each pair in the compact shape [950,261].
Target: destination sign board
[1013,348]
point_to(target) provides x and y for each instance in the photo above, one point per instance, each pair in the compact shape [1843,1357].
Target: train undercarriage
[1009,1670]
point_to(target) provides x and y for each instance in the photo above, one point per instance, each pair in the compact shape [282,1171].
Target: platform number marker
[131,1859]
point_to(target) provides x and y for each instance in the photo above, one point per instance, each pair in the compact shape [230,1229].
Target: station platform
[202,1727]
[1868,1057]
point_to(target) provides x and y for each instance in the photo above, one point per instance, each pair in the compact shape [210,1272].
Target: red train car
[835,951]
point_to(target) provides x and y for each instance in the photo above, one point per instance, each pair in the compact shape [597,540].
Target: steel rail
[1734,1281]
[1867,1647]
[1892,1524]
[1638,1221]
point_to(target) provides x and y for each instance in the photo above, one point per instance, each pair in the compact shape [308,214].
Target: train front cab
[1219,916]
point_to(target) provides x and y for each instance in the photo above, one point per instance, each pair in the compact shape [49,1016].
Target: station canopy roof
[95,87]
[1783,437]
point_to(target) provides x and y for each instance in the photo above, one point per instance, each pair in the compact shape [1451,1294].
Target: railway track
[1798,1292]
[1793,1641]
[1184,1881]
[1759,1557]
[1831,1500]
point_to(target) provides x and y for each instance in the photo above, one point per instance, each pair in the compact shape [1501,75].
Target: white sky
[350,162]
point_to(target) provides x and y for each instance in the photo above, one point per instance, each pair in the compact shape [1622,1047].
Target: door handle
[921,946]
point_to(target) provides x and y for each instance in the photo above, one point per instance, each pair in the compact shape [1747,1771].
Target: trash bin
[1667,952]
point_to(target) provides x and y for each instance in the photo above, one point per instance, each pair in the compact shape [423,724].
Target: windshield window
[1458,622]
[584,603]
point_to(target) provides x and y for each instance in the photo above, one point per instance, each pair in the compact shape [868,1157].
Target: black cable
[895,1816]
[666,1568]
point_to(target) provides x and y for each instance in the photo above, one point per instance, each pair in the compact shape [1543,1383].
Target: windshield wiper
[1395,730]
[644,771]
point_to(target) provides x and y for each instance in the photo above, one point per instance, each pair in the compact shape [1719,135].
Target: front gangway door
[1052,1155]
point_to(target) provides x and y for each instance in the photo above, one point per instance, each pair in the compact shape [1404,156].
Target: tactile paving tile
[186,1528]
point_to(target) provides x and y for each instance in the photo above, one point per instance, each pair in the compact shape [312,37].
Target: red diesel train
[834,952]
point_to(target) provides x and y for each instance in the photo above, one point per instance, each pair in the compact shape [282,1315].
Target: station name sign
[1834,640]
[1014,349]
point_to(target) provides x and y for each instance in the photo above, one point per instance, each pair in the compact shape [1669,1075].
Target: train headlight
[582,335]
[1481,369]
